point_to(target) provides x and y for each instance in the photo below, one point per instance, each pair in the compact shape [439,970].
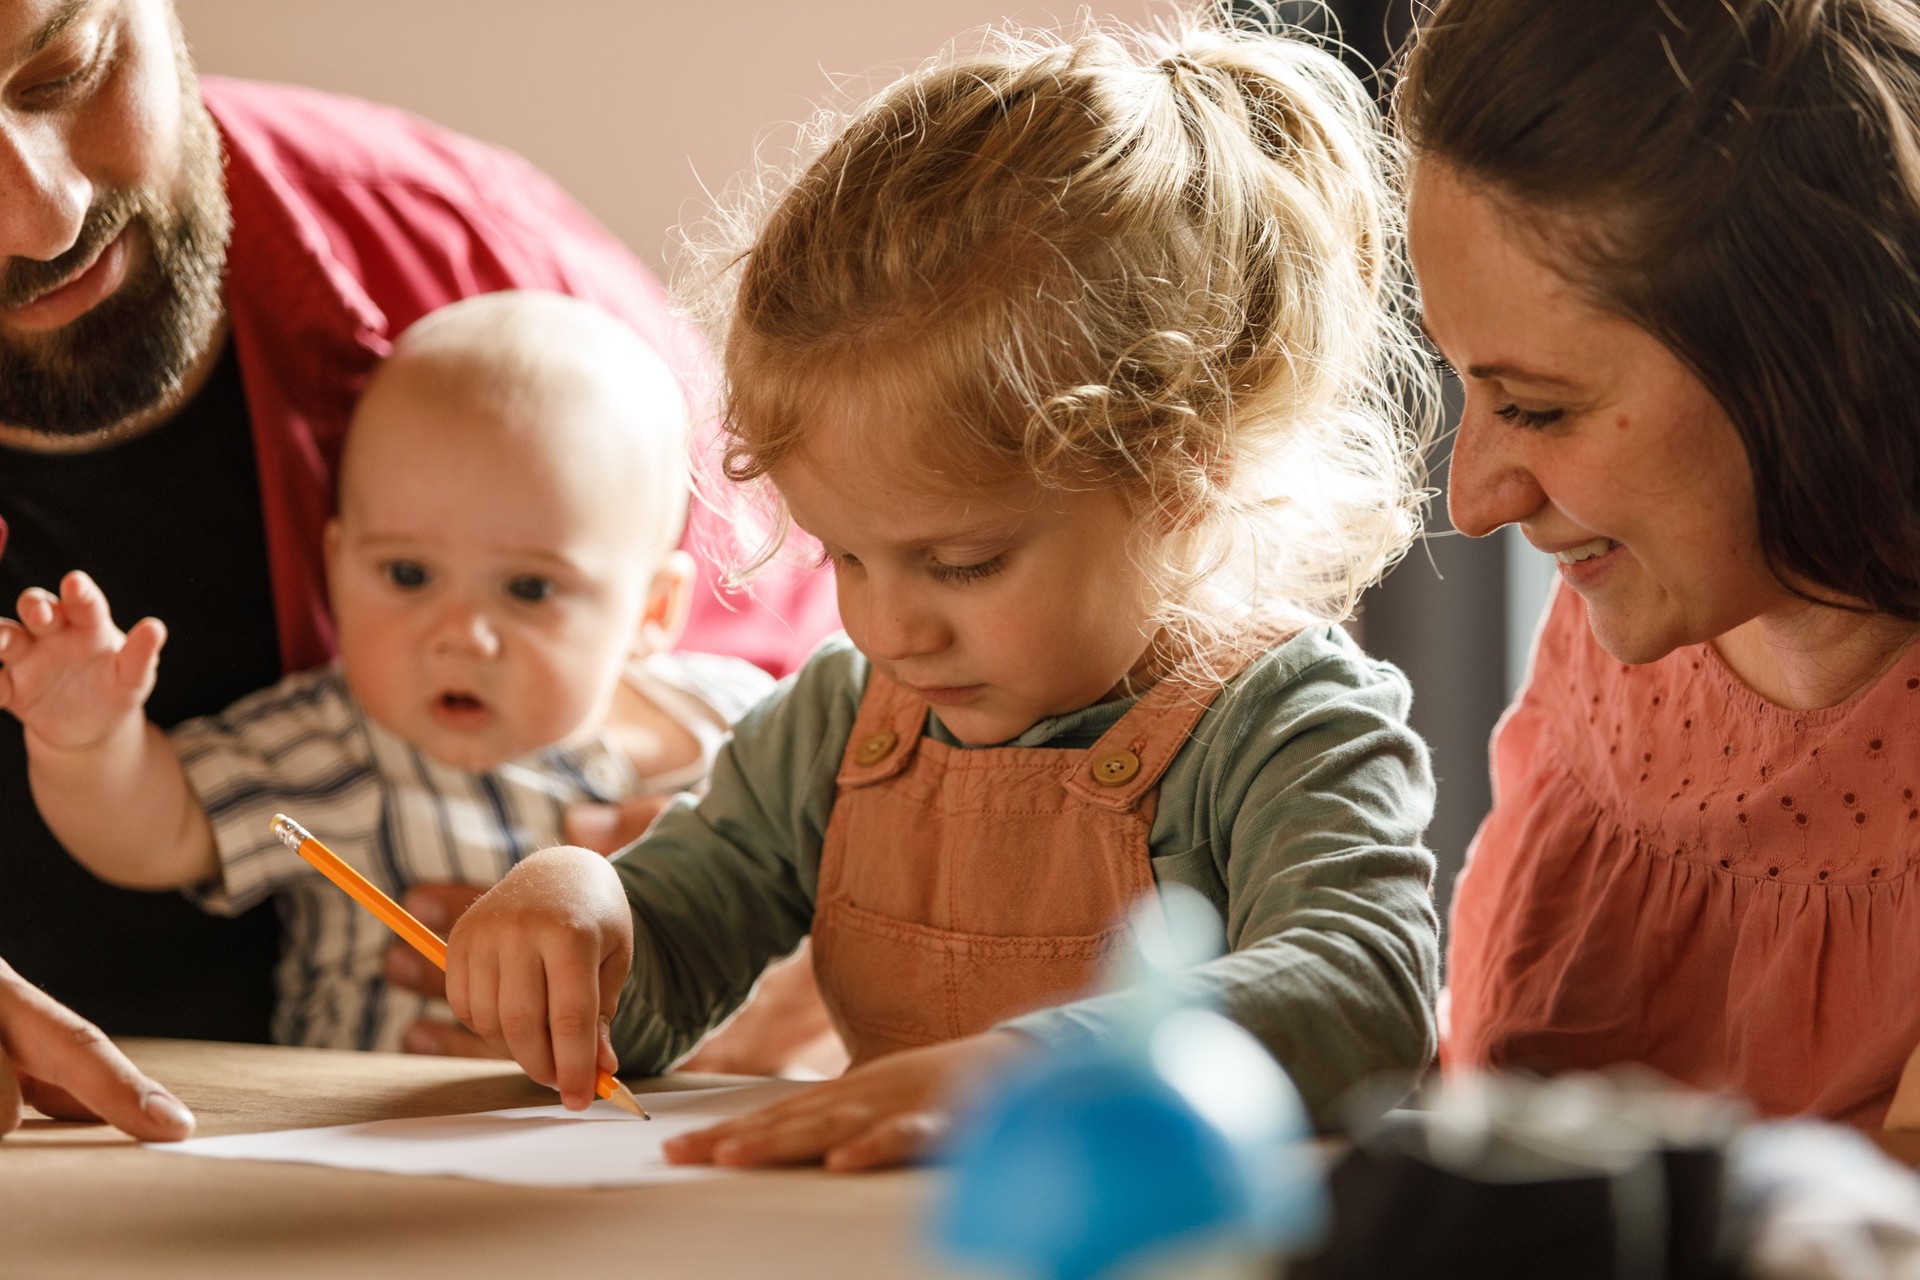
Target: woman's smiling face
[1588,433]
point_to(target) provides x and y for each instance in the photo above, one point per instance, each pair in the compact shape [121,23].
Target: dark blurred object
[1581,1178]
[1368,31]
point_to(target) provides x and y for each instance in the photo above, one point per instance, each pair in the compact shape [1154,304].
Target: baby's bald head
[569,393]
[511,502]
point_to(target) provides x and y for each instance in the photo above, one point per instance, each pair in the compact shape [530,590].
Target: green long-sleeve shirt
[1296,808]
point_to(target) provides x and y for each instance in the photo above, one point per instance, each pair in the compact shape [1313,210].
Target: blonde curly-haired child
[1084,361]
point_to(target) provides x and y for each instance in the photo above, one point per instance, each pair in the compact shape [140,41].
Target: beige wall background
[630,105]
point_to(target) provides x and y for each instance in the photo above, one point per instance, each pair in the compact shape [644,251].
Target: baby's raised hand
[67,672]
[536,967]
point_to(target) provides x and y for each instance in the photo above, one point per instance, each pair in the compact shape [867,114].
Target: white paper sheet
[602,1146]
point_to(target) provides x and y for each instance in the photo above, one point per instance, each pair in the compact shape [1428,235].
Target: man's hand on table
[57,1061]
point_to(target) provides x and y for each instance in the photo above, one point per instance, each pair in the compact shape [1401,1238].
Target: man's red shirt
[351,220]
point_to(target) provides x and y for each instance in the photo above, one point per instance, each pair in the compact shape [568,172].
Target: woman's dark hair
[1741,178]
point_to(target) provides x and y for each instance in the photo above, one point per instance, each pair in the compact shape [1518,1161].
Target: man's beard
[131,352]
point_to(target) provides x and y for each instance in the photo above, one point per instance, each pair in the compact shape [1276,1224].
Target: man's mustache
[26,279]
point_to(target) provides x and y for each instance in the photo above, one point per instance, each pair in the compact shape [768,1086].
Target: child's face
[1001,603]
[488,588]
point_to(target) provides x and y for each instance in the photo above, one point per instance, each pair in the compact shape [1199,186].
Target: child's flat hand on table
[887,1112]
[67,672]
[535,967]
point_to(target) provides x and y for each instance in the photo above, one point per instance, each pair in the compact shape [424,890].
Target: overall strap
[886,733]
[1126,764]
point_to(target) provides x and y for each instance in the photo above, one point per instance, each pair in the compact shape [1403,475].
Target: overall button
[875,748]
[1111,768]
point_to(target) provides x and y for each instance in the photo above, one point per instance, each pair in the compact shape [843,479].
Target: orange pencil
[418,936]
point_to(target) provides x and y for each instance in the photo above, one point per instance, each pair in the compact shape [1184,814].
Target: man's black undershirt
[169,523]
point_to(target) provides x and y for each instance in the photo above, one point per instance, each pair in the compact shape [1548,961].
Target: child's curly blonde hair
[1167,261]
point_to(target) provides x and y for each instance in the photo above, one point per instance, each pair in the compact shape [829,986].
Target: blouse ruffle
[1679,873]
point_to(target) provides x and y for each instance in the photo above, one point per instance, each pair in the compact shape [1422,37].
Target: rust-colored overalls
[962,886]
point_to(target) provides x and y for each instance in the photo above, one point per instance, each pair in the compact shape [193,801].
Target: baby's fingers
[39,612]
[139,657]
[84,604]
[15,644]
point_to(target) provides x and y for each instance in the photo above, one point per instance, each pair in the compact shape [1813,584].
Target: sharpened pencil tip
[622,1097]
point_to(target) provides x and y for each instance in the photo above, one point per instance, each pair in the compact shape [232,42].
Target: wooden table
[83,1201]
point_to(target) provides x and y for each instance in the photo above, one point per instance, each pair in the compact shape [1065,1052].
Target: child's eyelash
[953,574]
[1533,418]
[947,574]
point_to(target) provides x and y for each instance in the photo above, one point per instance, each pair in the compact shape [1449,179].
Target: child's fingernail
[167,1109]
[422,1040]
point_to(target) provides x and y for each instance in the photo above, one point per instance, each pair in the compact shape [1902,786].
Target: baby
[505,583]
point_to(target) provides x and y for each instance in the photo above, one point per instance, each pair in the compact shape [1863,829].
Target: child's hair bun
[1167,260]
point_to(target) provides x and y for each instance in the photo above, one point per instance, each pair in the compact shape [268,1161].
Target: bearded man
[195,280]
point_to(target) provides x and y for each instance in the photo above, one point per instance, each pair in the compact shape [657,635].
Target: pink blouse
[1680,873]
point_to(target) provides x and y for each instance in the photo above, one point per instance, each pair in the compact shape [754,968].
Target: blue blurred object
[1188,1141]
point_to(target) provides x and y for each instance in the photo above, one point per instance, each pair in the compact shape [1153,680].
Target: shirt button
[875,748]
[1112,768]
[605,775]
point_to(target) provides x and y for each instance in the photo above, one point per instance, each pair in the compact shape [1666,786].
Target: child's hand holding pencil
[536,967]
[562,974]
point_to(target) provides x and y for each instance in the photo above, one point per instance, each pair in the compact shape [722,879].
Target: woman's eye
[954,574]
[406,574]
[838,560]
[530,589]
[1534,418]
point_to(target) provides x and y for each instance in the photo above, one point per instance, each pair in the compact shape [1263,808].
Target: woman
[1673,249]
